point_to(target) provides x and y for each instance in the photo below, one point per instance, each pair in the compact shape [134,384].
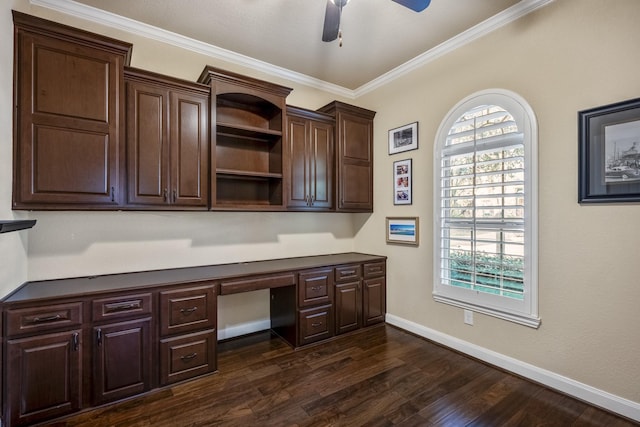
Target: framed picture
[402,182]
[609,153]
[404,138]
[402,230]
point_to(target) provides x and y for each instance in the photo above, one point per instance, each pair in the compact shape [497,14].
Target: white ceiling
[378,35]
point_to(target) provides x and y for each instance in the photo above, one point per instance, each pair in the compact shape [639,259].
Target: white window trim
[523,312]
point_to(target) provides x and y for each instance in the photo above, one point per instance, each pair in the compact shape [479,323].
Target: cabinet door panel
[374,298]
[44,377]
[68,141]
[189,150]
[122,360]
[321,165]
[348,303]
[147,144]
[298,155]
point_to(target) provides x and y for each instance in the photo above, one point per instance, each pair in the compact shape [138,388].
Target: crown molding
[109,19]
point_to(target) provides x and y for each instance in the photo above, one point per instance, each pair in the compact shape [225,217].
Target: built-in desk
[76,343]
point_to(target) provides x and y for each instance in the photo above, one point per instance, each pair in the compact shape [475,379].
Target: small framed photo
[609,153]
[402,230]
[402,182]
[404,138]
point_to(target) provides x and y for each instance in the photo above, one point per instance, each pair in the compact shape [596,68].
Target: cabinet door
[348,306]
[374,300]
[189,150]
[299,165]
[321,165]
[69,101]
[355,163]
[122,360]
[44,377]
[147,144]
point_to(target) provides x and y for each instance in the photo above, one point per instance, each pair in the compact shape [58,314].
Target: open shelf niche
[247,117]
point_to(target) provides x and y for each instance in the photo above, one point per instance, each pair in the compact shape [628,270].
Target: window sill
[519,318]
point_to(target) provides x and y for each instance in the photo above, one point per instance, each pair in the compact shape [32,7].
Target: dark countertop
[79,286]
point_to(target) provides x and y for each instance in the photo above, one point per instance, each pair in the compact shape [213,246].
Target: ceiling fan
[331,29]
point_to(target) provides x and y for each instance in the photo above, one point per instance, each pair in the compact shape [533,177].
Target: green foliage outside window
[494,274]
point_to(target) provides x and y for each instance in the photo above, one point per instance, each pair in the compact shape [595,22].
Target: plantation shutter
[482,220]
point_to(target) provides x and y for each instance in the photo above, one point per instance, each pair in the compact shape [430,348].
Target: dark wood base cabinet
[74,344]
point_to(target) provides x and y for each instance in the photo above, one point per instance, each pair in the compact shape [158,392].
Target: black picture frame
[402,182]
[609,153]
[403,138]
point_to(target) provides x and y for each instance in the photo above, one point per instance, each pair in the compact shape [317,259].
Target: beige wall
[568,56]
[571,55]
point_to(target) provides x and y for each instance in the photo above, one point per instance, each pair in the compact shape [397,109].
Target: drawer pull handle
[348,273]
[76,341]
[188,310]
[123,306]
[315,325]
[316,288]
[47,318]
[188,357]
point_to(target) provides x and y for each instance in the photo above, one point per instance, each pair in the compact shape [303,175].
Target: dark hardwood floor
[381,376]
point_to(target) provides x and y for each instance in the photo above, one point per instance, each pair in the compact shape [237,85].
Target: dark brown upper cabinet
[354,156]
[310,152]
[69,99]
[167,142]
[247,130]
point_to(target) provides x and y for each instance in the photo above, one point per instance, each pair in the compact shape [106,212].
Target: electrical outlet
[468,317]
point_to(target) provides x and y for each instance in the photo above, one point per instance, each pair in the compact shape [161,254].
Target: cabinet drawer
[39,319]
[316,324]
[348,272]
[187,356]
[375,269]
[315,287]
[121,306]
[187,310]
[256,283]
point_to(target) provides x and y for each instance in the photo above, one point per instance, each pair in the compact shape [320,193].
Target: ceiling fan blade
[331,22]
[415,5]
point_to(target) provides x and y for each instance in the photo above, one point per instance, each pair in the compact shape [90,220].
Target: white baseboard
[231,331]
[603,399]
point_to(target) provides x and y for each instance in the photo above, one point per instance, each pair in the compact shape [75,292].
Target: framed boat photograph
[404,138]
[609,153]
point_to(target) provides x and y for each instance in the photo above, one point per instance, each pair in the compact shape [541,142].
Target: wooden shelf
[16,225]
[247,132]
[248,174]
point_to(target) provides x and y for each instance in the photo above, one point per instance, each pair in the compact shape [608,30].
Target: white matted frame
[403,230]
[404,138]
[402,173]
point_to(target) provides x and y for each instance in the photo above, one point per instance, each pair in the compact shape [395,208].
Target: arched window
[485,165]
